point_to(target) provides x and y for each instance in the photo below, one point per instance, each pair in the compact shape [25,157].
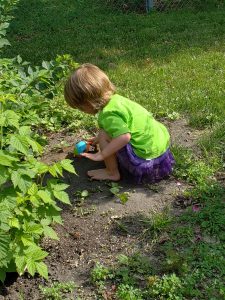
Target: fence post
[149,5]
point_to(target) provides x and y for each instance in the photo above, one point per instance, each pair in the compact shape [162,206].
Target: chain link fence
[145,6]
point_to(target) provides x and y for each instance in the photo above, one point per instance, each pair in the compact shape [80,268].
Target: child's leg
[111,172]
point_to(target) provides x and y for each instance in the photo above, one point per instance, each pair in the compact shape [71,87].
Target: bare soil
[100,228]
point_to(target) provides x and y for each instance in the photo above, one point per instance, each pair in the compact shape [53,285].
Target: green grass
[190,262]
[168,62]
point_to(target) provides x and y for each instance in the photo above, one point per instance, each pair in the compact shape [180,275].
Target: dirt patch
[101,228]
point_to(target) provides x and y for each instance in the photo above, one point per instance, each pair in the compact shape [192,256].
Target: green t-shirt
[149,138]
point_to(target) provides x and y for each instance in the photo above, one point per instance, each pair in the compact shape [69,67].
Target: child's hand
[96,156]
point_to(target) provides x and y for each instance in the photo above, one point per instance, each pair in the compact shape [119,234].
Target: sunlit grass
[167,62]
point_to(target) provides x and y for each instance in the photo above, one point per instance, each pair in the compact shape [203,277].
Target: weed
[82,195]
[57,290]
[99,273]
[127,292]
[135,264]
[166,287]
[115,190]
[157,223]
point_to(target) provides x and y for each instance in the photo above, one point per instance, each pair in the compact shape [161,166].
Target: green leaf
[36,253]
[15,177]
[35,145]
[33,229]
[3,175]
[45,222]
[67,165]
[114,190]
[54,185]
[4,248]
[11,118]
[31,266]
[19,143]
[42,269]
[58,168]
[49,232]
[33,189]
[124,197]
[35,200]
[84,194]
[24,183]
[45,196]
[29,172]
[6,160]
[2,274]
[4,42]
[40,167]
[4,25]
[27,240]
[52,171]
[30,70]
[14,222]
[25,130]
[19,59]
[20,262]
[45,65]
[62,196]
[57,219]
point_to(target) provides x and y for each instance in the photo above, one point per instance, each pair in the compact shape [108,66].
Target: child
[131,141]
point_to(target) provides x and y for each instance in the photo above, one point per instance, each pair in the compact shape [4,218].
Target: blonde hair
[88,85]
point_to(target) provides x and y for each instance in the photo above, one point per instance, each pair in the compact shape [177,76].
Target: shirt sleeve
[114,124]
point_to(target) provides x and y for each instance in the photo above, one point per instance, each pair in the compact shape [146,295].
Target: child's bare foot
[104,174]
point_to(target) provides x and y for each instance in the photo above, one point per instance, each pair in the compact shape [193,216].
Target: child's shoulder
[117,99]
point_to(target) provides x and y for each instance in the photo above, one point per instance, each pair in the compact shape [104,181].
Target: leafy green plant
[27,209]
[127,292]
[57,290]
[115,190]
[27,206]
[81,195]
[166,287]
[28,203]
[99,273]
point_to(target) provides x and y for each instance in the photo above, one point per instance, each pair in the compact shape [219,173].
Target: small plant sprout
[115,190]
[81,195]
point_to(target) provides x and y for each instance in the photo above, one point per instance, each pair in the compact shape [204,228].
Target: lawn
[173,64]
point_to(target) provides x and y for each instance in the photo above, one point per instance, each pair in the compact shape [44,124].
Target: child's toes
[90,173]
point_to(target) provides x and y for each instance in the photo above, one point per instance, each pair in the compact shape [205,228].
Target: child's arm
[112,147]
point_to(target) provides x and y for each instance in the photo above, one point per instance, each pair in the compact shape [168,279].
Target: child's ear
[107,95]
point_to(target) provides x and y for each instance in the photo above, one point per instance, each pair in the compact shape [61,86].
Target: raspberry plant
[28,202]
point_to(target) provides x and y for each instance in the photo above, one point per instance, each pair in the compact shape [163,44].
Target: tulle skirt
[139,170]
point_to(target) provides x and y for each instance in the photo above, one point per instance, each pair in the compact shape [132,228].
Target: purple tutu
[139,170]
